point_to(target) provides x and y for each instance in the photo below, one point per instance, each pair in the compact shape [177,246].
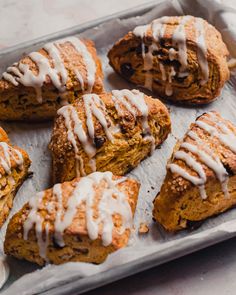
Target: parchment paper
[26,278]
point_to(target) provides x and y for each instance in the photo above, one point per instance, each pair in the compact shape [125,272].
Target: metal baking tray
[221,229]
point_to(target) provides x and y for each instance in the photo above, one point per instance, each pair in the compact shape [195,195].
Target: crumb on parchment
[143,228]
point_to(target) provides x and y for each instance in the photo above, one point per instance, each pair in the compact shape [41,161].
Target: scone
[201,175]
[181,58]
[14,164]
[43,81]
[82,220]
[110,132]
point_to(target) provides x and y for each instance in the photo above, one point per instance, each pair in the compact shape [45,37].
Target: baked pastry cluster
[14,165]
[200,180]
[43,81]
[98,137]
[82,220]
[181,58]
[108,132]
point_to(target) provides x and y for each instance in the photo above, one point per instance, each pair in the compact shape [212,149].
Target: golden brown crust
[127,51]
[78,246]
[129,145]
[21,103]
[179,204]
[10,182]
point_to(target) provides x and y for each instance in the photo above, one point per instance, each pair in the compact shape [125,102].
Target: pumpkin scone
[108,132]
[14,165]
[180,58]
[201,175]
[55,75]
[82,220]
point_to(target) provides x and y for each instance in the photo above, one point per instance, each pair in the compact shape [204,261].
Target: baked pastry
[43,81]
[82,220]
[181,58]
[14,164]
[201,175]
[111,132]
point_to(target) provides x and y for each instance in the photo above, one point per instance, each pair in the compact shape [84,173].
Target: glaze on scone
[110,132]
[201,175]
[182,59]
[82,220]
[14,164]
[43,81]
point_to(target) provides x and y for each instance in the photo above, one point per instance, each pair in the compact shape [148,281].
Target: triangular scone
[181,58]
[82,220]
[108,132]
[201,175]
[43,81]
[14,164]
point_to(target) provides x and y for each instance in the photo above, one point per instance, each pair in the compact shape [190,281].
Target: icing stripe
[113,201]
[205,155]
[157,29]
[133,101]
[21,73]
[202,50]
[9,153]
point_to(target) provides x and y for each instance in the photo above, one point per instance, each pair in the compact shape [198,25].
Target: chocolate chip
[77,238]
[55,244]
[76,93]
[180,79]
[139,49]
[155,52]
[99,141]
[127,70]
[193,225]
[144,134]
[30,174]
[129,168]
[162,42]
[228,169]
[123,129]
[81,250]
[58,100]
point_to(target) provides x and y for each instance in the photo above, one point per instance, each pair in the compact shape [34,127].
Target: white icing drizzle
[21,73]
[36,219]
[207,157]
[179,40]
[168,88]
[191,162]
[157,28]
[112,201]
[163,72]
[195,180]
[202,50]
[76,131]
[148,65]
[141,31]
[8,154]
[95,106]
[88,61]
[134,101]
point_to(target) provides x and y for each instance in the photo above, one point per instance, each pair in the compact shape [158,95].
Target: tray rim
[146,262]
[151,260]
